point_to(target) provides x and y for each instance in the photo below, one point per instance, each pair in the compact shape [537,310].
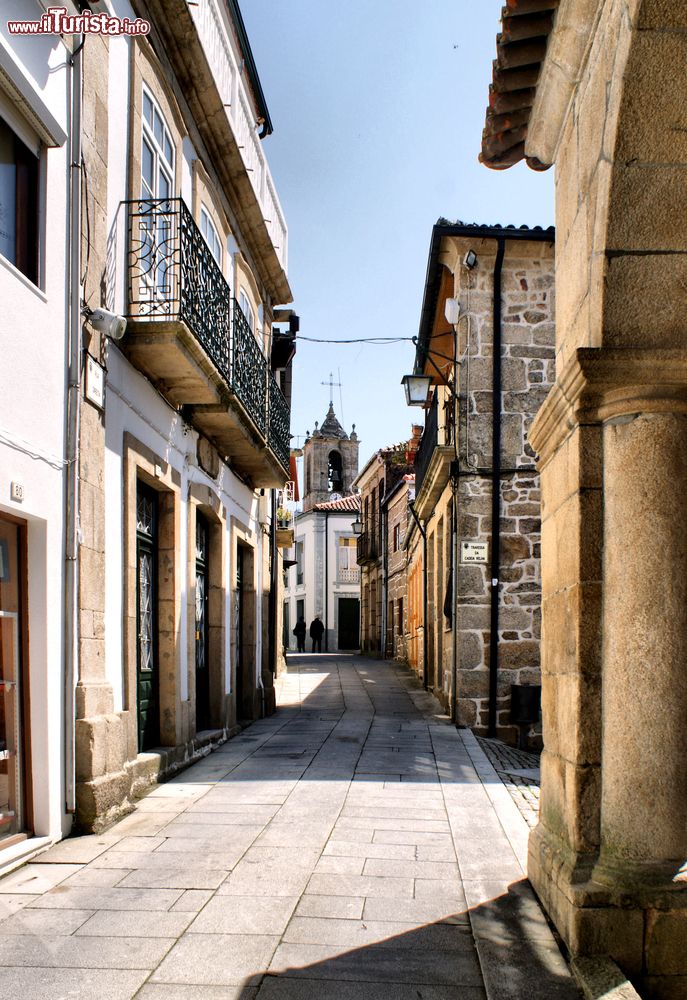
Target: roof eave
[443,229]
[520,53]
[251,68]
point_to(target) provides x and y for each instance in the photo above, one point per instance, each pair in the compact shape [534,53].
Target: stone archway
[612,439]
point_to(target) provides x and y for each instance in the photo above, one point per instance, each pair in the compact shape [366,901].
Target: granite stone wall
[527,374]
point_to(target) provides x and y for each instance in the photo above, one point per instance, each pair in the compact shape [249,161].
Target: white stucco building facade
[35,82]
[325,579]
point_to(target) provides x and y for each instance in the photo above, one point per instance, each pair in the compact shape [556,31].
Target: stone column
[644,777]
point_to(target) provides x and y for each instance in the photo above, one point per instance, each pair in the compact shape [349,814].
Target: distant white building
[324,578]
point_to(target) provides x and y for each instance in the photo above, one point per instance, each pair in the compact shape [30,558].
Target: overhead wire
[356,340]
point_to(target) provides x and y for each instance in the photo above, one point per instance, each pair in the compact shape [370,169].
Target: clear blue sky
[378,108]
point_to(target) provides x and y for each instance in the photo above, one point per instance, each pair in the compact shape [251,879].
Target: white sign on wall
[95,383]
[474,552]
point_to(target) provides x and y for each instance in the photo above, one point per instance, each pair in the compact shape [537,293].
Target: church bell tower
[330,461]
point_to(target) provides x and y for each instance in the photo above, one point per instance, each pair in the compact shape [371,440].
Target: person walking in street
[299,632]
[316,633]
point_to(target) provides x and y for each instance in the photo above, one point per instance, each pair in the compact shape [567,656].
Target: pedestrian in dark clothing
[316,633]
[299,632]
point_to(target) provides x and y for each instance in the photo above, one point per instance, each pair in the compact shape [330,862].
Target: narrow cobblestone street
[354,845]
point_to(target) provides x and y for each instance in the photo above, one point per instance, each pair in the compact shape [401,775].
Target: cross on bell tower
[331,383]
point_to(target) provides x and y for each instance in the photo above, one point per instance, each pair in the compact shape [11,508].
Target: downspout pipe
[495,490]
[73,428]
[454,603]
[425,652]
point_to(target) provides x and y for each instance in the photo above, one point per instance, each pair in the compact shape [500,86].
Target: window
[247,309]
[157,153]
[18,203]
[399,617]
[347,561]
[207,228]
[397,537]
[157,182]
[299,563]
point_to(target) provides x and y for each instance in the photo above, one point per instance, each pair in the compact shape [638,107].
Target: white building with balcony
[186,442]
[324,579]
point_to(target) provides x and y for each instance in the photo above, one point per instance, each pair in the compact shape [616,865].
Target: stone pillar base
[93,698]
[107,783]
[642,927]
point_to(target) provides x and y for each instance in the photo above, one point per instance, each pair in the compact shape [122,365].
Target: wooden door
[148,701]
[202,589]
[14,736]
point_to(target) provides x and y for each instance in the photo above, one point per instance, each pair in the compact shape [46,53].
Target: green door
[202,665]
[146,618]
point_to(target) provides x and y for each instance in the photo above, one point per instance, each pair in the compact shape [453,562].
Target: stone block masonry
[527,374]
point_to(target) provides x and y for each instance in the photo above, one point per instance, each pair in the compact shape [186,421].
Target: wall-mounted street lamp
[417,389]
[357,526]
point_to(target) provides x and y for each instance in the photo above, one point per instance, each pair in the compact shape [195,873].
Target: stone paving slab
[77,984]
[32,878]
[163,991]
[245,915]
[284,988]
[347,907]
[386,965]
[217,960]
[352,846]
[58,951]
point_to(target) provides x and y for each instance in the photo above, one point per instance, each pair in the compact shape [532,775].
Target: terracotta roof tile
[520,51]
[351,504]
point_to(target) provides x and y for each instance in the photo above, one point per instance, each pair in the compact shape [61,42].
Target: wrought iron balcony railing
[428,443]
[249,369]
[172,275]
[279,417]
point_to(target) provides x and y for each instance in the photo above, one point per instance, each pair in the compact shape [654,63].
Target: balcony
[200,41]
[436,450]
[368,551]
[191,339]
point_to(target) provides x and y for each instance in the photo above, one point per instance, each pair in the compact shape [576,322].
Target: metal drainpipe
[495,490]
[326,581]
[73,429]
[425,659]
[454,601]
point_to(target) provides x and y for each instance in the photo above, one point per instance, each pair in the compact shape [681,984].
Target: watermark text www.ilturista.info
[58,21]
